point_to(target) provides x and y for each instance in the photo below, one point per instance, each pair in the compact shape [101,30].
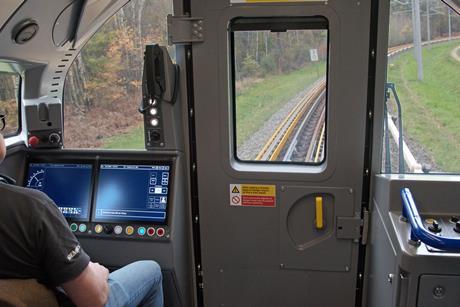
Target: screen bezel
[137,162]
[67,161]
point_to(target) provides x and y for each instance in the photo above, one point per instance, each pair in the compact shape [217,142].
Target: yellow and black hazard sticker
[253,195]
[273,1]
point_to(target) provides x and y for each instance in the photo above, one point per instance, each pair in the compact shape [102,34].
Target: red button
[150,231]
[160,232]
[33,141]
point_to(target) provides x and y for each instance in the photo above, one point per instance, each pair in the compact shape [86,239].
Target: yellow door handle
[319,212]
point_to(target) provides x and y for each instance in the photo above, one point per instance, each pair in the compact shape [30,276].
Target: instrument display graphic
[132,193]
[67,184]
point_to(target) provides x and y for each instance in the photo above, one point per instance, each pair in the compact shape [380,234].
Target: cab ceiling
[8,9]
[64,26]
[74,19]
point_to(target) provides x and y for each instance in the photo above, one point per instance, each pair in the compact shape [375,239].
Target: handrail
[418,231]
[391,86]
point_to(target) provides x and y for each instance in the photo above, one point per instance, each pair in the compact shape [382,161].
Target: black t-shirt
[35,240]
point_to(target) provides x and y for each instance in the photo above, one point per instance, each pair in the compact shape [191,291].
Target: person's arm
[90,288]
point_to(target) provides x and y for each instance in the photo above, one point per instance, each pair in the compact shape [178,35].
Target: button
[429,221]
[150,231]
[160,232]
[73,227]
[154,122]
[82,228]
[33,142]
[118,230]
[98,228]
[108,229]
[435,227]
[129,230]
[457,227]
[454,219]
[141,231]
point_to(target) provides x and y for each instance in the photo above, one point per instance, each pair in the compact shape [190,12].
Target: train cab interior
[263,152]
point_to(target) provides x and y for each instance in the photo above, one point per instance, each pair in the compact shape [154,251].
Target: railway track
[277,147]
[300,137]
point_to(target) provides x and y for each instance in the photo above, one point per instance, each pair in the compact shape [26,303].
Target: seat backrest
[25,292]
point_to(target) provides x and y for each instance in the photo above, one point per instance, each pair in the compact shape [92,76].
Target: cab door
[279,107]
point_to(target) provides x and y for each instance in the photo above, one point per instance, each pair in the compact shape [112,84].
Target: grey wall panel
[304,247]
[382,263]
[274,288]
[439,291]
[245,242]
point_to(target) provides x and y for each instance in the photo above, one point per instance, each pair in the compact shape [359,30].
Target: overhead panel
[8,9]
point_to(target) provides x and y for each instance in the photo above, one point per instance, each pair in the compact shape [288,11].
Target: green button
[73,227]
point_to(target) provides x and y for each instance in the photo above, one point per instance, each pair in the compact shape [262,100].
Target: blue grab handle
[419,232]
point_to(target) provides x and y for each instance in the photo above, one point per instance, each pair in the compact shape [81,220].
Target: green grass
[256,104]
[133,139]
[431,108]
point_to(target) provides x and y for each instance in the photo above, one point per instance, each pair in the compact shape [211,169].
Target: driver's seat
[24,293]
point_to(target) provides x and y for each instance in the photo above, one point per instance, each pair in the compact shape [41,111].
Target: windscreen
[132,193]
[67,184]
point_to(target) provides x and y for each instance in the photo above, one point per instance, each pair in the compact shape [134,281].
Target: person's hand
[100,270]
[90,288]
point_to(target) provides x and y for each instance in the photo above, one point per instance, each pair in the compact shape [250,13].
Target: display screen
[67,184]
[132,193]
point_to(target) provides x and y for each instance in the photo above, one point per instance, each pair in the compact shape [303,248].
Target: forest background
[102,89]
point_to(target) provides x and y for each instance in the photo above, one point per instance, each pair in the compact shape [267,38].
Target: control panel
[437,232]
[44,125]
[121,231]
[108,198]
[442,226]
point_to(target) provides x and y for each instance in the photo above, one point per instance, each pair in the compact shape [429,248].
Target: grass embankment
[256,104]
[133,139]
[431,108]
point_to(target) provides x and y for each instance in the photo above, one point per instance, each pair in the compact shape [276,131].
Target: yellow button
[430,221]
[98,228]
[129,230]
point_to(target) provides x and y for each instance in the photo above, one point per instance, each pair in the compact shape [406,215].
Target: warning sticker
[273,1]
[253,195]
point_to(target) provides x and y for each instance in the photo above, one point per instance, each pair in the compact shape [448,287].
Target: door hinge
[353,227]
[185,29]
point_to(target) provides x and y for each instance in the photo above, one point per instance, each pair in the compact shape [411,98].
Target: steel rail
[315,139]
[306,128]
[320,148]
[277,141]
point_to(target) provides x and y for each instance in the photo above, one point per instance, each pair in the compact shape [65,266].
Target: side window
[103,86]
[279,92]
[422,90]
[9,102]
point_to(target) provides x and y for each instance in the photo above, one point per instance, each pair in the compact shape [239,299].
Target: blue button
[82,228]
[141,231]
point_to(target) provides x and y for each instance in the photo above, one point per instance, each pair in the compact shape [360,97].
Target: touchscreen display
[67,184]
[132,193]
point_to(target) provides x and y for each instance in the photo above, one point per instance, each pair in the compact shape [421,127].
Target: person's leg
[138,283]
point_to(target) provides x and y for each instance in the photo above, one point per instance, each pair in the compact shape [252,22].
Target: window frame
[275,24]
[19,105]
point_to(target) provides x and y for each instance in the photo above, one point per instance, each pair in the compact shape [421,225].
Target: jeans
[137,284]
